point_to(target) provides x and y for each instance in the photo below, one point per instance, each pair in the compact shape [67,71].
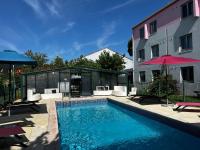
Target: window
[155,51]
[186,41]
[187,9]
[142,77]
[141,55]
[130,77]
[153,27]
[142,33]
[155,74]
[187,73]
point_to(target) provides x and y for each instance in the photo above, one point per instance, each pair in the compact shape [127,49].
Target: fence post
[59,80]
[35,82]
[159,89]
[183,91]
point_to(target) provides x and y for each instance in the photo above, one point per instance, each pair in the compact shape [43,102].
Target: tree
[130,47]
[82,62]
[111,62]
[29,53]
[58,62]
[40,58]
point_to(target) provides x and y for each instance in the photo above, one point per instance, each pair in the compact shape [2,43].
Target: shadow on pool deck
[20,120]
[41,142]
[18,110]
[8,142]
[148,100]
[27,110]
[190,110]
[26,118]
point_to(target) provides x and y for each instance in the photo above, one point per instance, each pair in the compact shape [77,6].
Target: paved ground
[189,115]
[42,130]
[35,124]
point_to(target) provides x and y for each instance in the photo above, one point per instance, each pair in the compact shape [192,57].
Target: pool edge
[53,136]
[177,124]
[183,126]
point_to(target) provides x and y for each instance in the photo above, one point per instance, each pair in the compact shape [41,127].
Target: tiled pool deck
[42,128]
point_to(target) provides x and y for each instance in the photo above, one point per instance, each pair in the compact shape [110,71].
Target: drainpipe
[133,48]
[183,90]
[167,69]
[13,73]
[167,46]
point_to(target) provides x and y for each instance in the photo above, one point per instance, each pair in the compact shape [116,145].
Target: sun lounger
[119,91]
[31,104]
[186,104]
[10,131]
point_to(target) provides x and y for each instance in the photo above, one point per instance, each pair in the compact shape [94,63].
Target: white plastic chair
[133,92]
[32,96]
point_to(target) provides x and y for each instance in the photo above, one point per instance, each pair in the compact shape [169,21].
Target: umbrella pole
[9,88]
[13,69]
[9,91]
[167,89]
[167,85]
[167,52]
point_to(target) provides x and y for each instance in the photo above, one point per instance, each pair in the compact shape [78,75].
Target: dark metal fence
[15,90]
[68,80]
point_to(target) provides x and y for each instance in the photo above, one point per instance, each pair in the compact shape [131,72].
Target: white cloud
[78,46]
[53,7]
[108,31]
[69,26]
[60,29]
[42,8]
[6,33]
[36,6]
[102,41]
[8,45]
[119,6]
[51,30]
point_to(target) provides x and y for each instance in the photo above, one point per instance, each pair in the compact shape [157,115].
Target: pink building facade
[175,30]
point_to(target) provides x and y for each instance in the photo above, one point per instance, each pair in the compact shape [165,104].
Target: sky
[70,28]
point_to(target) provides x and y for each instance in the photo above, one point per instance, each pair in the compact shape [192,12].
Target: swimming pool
[104,125]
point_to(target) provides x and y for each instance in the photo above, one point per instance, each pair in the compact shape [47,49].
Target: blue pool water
[105,126]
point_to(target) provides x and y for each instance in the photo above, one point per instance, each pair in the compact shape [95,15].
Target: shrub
[162,87]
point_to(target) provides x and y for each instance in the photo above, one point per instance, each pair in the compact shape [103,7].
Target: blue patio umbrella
[12,58]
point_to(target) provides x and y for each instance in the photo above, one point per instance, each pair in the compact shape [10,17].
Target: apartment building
[175,30]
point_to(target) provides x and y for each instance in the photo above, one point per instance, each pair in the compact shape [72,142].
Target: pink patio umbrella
[170,60]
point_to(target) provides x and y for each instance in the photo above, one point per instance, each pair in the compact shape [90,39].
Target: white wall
[175,29]
[94,56]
